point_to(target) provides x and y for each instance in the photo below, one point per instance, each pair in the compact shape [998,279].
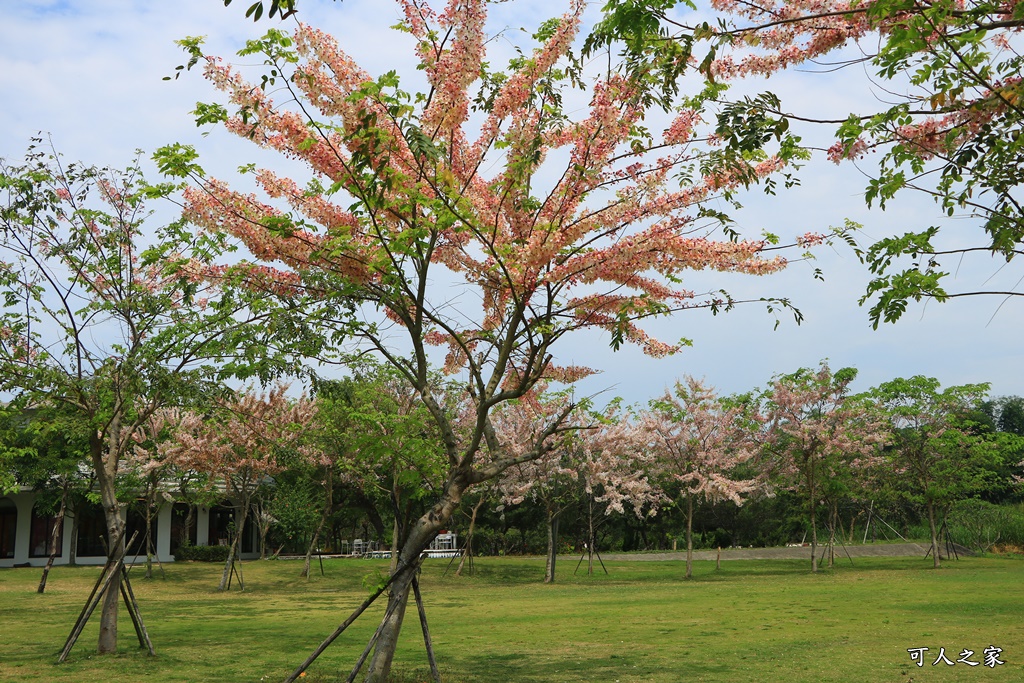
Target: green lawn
[751,621]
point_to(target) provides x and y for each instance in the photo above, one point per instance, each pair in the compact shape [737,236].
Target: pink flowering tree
[816,431]
[246,440]
[699,443]
[150,465]
[105,317]
[951,127]
[550,480]
[485,215]
[617,471]
[599,457]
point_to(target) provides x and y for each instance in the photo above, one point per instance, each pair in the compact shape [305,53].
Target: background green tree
[936,454]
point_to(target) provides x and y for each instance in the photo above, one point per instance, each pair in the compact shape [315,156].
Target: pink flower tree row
[807,433]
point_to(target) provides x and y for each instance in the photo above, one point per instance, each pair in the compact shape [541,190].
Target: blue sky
[89,74]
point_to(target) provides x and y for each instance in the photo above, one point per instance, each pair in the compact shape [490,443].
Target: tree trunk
[234,549]
[264,530]
[833,532]
[313,544]
[111,600]
[689,536]
[814,539]
[418,539]
[935,536]
[549,566]
[186,538]
[309,552]
[150,551]
[395,535]
[467,547]
[58,524]
[320,527]
[105,460]
[814,521]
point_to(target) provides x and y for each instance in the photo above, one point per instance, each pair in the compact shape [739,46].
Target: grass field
[758,621]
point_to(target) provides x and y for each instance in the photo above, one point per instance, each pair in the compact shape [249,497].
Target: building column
[203,525]
[163,532]
[23,502]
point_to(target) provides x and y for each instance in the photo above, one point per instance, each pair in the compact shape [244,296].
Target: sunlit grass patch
[755,620]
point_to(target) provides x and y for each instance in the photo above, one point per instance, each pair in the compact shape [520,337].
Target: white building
[25,534]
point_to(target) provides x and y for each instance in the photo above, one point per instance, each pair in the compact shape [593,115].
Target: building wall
[25,501]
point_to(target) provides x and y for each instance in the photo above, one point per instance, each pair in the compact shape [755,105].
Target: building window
[42,531]
[179,515]
[92,530]
[136,525]
[222,523]
[8,527]
[222,527]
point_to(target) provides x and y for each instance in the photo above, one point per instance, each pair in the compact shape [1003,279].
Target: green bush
[979,525]
[202,553]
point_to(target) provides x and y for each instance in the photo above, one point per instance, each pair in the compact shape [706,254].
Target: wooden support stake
[344,625]
[95,588]
[133,609]
[111,569]
[452,561]
[426,632]
[867,527]
[373,641]
[846,549]
[105,578]
[367,650]
[234,573]
[132,614]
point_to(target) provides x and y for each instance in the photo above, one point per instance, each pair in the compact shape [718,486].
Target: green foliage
[1006,413]
[202,553]
[972,89]
[46,449]
[383,439]
[936,451]
[295,502]
[653,55]
[283,9]
[980,525]
[138,320]
[957,135]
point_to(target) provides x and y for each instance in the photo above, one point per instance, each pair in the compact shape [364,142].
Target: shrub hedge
[202,553]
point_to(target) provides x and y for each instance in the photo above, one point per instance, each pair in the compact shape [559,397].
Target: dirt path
[787,553]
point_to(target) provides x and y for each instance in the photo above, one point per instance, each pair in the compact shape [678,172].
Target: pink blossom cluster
[452,70]
[810,239]
[777,34]
[239,444]
[797,30]
[698,442]
[681,129]
[613,233]
[840,151]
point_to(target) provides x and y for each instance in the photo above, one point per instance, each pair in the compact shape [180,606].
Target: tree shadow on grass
[505,573]
[524,668]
